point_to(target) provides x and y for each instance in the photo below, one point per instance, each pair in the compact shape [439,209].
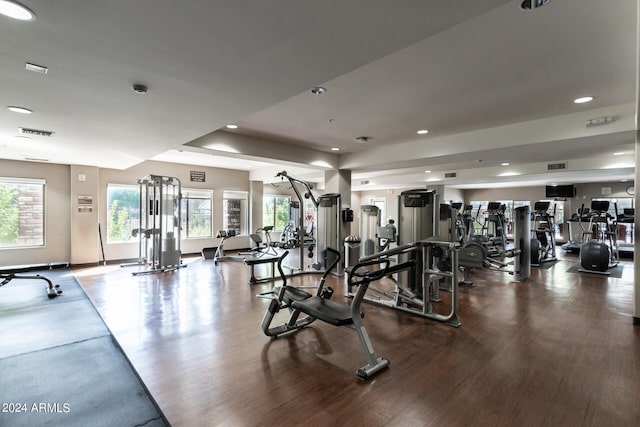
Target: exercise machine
[424,262]
[514,260]
[574,230]
[543,241]
[369,227]
[329,230]
[220,255]
[8,274]
[303,190]
[261,248]
[418,220]
[159,231]
[320,307]
[494,230]
[599,250]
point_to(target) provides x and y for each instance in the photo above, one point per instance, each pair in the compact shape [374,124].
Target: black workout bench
[9,273]
[253,261]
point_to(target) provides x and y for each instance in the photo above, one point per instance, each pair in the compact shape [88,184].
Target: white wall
[215,179]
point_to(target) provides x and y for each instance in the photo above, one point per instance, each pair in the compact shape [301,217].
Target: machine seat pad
[329,311]
[292,294]
[254,261]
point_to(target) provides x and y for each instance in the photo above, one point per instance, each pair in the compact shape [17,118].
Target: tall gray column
[636,238]
[256,192]
[339,181]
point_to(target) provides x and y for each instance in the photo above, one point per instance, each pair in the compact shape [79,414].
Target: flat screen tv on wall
[560,191]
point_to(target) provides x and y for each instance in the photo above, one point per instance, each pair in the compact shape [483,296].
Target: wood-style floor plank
[558,350]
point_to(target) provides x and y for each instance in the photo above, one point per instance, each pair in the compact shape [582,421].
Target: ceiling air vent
[364,182]
[36,132]
[556,166]
[450,174]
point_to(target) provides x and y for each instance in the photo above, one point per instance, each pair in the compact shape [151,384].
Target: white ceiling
[491,82]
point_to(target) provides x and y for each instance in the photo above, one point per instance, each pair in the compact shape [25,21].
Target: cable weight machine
[159,231]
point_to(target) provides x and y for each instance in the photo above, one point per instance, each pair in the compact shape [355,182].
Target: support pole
[636,238]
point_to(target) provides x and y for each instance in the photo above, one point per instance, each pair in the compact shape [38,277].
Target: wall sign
[197,176]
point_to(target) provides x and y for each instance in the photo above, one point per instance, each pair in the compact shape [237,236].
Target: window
[480,208]
[196,213]
[21,212]
[123,212]
[275,211]
[234,211]
[616,207]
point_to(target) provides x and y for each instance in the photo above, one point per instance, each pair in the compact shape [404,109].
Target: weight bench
[7,274]
[337,314]
[253,261]
[320,306]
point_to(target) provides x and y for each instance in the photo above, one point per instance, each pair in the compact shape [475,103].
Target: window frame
[195,194]
[243,197]
[108,213]
[274,219]
[41,183]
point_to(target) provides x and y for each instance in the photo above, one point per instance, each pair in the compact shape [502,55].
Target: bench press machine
[320,306]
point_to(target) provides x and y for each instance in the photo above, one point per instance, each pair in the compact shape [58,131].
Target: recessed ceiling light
[35,68]
[427,171]
[619,153]
[16,11]
[335,149]
[232,126]
[422,132]
[583,99]
[20,110]
[318,90]
[505,163]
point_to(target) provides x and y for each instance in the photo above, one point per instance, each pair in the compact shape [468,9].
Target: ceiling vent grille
[556,166]
[364,182]
[450,174]
[36,132]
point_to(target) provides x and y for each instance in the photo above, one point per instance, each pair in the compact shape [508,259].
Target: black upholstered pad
[292,294]
[326,310]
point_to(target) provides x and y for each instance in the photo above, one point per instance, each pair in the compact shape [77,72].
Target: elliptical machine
[599,250]
[543,242]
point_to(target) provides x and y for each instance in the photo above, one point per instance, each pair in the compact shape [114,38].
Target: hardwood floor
[557,350]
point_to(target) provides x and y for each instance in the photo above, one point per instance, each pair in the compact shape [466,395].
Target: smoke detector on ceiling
[533,4]
[140,89]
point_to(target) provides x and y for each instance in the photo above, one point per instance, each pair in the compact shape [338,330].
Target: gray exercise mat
[615,272]
[59,365]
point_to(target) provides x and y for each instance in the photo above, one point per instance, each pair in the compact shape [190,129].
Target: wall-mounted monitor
[552,191]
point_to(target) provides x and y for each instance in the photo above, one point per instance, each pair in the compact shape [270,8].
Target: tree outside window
[21,212]
[275,211]
[123,212]
[196,213]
